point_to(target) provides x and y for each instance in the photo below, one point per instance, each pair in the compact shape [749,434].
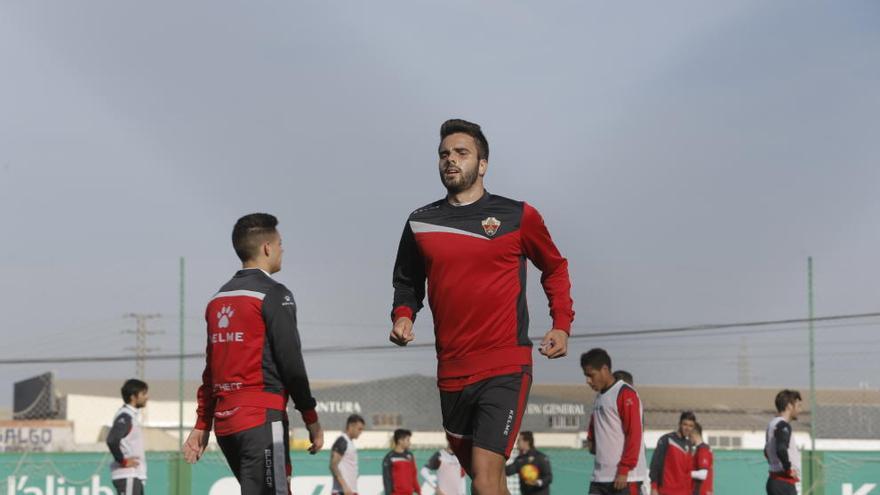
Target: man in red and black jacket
[472,248]
[399,472]
[253,364]
[673,459]
[704,464]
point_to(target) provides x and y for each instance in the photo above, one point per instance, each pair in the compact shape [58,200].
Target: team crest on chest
[491,226]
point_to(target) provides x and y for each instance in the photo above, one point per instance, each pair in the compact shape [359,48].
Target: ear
[267,249]
[483,167]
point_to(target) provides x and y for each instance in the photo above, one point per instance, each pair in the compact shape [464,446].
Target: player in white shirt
[780,450]
[449,477]
[344,457]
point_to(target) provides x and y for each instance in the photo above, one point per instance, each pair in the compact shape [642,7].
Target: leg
[457,410]
[500,404]
[488,472]
[264,459]
[137,487]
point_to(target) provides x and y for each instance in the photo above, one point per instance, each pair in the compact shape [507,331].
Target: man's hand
[195,445]
[316,436]
[555,344]
[654,491]
[131,462]
[402,332]
[439,492]
[620,482]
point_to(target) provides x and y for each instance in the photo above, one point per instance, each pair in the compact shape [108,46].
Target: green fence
[736,473]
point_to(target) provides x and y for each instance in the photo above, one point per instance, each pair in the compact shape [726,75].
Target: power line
[426,345]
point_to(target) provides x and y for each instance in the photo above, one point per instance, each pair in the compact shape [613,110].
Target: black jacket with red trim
[253,357]
[474,260]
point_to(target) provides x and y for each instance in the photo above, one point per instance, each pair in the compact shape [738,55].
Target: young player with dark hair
[673,461]
[399,472]
[254,363]
[344,457]
[531,466]
[780,450]
[126,441]
[472,247]
[615,431]
[703,474]
[625,376]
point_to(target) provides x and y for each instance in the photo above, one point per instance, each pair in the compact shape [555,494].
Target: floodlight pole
[813,411]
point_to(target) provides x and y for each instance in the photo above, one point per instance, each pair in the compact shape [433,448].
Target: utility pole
[813,412]
[140,349]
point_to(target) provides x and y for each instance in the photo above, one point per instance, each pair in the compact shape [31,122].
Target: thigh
[128,486]
[597,488]
[777,487]
[457,413]
[500,404]
[263,458]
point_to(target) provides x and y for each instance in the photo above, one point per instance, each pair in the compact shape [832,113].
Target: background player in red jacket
[472,248]
[704,463]
[399,472]
[253,365]
[673,461]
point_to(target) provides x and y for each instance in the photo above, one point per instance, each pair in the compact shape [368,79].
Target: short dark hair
[454,126]
[626,376]
[687,415]
[595,358]
[528,437]
[354,418]
[250,232]
[400,434]
[786,397]
[698,428]
[132,386]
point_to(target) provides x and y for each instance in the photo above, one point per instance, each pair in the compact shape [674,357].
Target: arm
[591,437]
[783,439]
[121,428]
[539,248]
[657,461]
[409,278]
[546,473]
[433,464]
[279,312]
[513,467]
[387,475]
[415,473]
[205,395]
[629,409]
[338,449]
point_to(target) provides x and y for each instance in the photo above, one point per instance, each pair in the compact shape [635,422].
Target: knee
[486,484]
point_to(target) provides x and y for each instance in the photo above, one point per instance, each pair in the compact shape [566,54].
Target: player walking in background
[472,248]
[780,450]
[703,475]
[399,472]
[253,364]
[531,466]
[673,461]
[126,441]
[344,457]
[615,430]
[624,376]
[449,479]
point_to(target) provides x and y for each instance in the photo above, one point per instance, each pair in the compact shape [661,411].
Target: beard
[460,182]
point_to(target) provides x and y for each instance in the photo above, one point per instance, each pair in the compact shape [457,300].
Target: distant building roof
[412,401]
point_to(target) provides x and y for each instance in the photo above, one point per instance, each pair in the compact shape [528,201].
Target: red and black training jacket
[254,356]
[474,260]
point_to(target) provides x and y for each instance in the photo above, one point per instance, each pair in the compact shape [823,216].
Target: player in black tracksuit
[529,463]
[253,366]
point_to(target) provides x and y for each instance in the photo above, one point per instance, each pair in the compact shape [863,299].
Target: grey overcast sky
[687,158]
